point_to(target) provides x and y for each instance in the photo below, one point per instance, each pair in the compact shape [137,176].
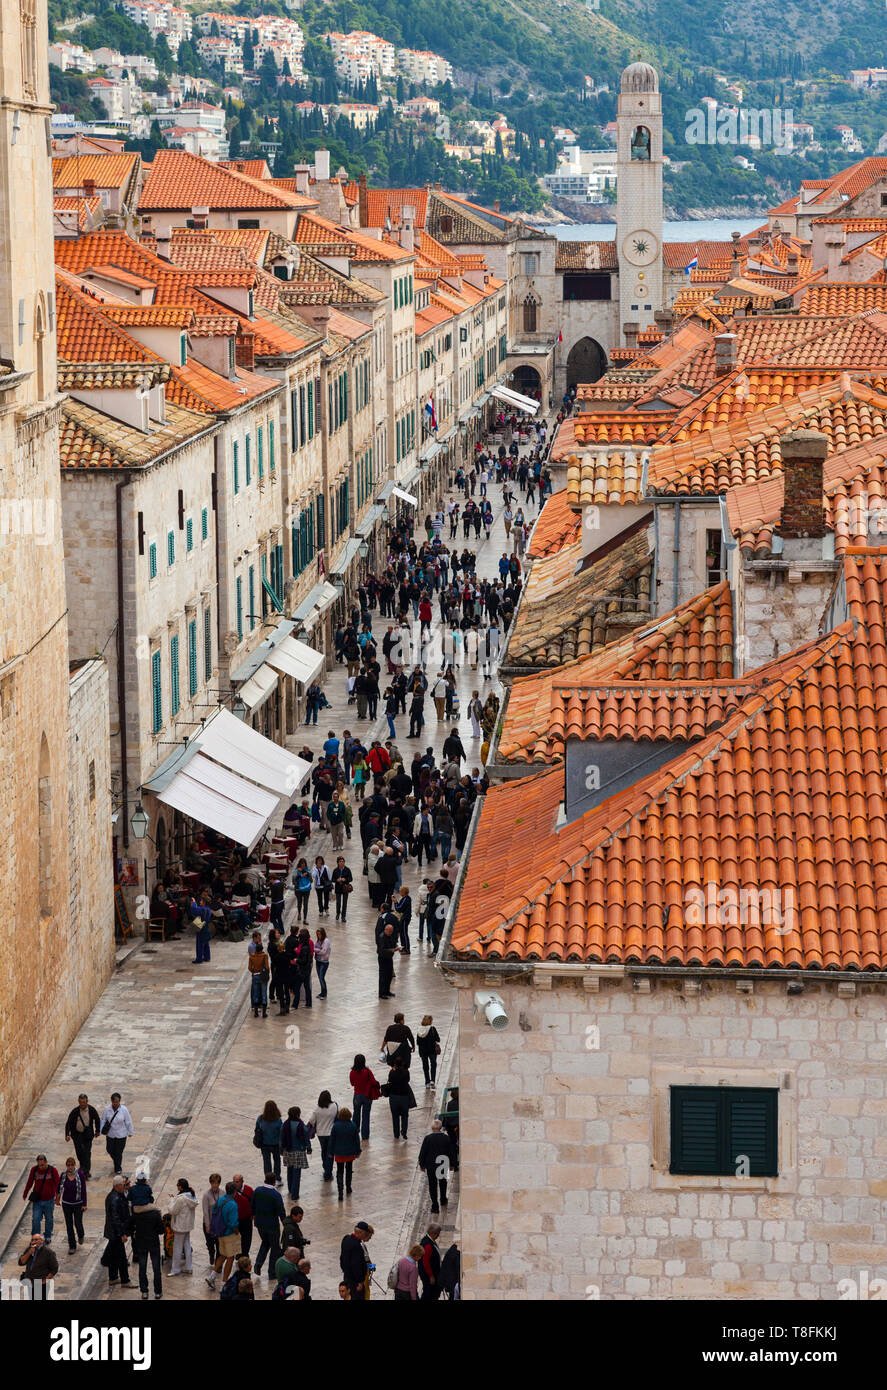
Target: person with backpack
[224,1226]
[403,1276]
[232,1287]
[295,1148]
[266,1137]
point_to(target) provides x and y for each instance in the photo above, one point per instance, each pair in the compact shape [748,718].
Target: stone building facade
[41,1006]
[565,1135]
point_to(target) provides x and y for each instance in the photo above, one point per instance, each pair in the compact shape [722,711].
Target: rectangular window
[294,420]
[303,434]
[247,460]
[321,520]
[239,588]
[170,547]
[192,657]
[174,675]
[204,524]
[236,469]
[264,586]
[310,409]
[152,561]
[251,596]
[271,458]
[189,534]
[260,452]
[297,550]
[207,645]
[728,1131]
[156,694]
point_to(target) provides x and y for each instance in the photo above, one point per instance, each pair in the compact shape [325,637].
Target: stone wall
[777,610]
[565,1140]
[693,574]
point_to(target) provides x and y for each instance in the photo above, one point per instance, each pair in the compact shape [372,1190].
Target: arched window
[640,143]
[530,308]
[44,830]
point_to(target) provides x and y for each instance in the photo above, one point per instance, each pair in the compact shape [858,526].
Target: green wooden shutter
[236,470]
[170,547]
[174,700]
[260,452]
[271,458]
[156,693]
[247,459]
[207,645]
[251,593]
[189,534]
[321,520]
[204,524]
[297,550]
[294,419]
[152,561]
[239,588]
[192,657]
[310,409]
[718,1130]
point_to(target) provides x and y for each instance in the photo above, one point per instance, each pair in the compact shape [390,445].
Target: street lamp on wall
[139,822]
[240,709]
[363,550]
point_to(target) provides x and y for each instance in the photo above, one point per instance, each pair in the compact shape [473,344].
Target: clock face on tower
[640,248]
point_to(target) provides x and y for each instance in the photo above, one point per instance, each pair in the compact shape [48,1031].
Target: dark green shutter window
[152,561]
[329,403]
[156,694]
[236,473]
[260,452]
[294,419]
[247,459]
[321,520]
[303,415]
[170,547]
[269,594]
[297,551]
[207,646]
[264,582]
[239,587]
[271,458]
[204,524]
[174,675]
[310,409]
[189,534]
[251,593]
[724,1131]
[192,657]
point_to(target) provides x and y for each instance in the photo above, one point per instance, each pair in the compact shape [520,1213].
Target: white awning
[321,597]
[234,744]
[404,496]
[349,554]
[255,691]
[514,398]
[296,659]
[216,797]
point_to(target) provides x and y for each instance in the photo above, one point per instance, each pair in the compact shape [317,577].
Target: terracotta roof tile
[570,607]
[325,238]
[384,204]
[179,181]
[842,299]
[586,255]
[557,526]
[105,170]
[693,643]
[195,387]
[89,439]
[605,476]
[786,798]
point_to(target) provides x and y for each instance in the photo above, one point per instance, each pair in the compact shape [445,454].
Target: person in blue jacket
[203,912]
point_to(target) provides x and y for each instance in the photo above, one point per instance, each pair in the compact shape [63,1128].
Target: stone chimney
[835,238]
[725,353]
[318,315]
[302,173]
[407,228]
[735,260]
[792,263]
[322,166]
[803,455]
[89,188]
[200,218]
[162,238]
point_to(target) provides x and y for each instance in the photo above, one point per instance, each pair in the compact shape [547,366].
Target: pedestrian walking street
[165,1028]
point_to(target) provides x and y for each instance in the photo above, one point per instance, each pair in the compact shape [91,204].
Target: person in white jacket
[471,646]
[182,1211]
[323,1118]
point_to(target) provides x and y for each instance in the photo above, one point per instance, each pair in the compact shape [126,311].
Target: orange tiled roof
[85,208]
[859,344]
[86,334]
[195,387]
[849,183]
[748,450]
[179,181]
[692,643]
[842,299]
[786,796]
[384,204]
[90,439]
[161,316]
[557,526]
[586,255]
[105,170]
[604,477]
[325,238]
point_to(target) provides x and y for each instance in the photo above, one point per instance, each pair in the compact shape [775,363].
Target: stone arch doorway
[587,362]
[527,380]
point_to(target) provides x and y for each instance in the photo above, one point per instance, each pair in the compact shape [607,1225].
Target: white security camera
[493,1009]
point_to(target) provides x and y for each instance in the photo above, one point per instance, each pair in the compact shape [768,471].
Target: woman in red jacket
[424,614]
[366,1089]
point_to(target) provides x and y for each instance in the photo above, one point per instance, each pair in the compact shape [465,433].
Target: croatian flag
[692,266]
[430,417]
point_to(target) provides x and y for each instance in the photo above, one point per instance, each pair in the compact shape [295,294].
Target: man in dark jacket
[38,1264]
[83,1125]
[352,1260]
[453,748]
[436,1157]
[386,949]
[146,1229]
[117,1219]
[268,1213]
[429,1265]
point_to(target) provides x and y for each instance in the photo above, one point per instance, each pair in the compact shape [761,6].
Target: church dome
[639,77]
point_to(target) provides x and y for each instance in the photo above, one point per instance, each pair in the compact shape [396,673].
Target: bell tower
[639,199]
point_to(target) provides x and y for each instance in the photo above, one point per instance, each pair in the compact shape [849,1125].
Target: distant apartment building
[197,115]
[119,99]
[360,55]
[584,174]
[421,66]
[361,114]
[868,77]
[226,52]
[71,57]
[419,108]
[160,18]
